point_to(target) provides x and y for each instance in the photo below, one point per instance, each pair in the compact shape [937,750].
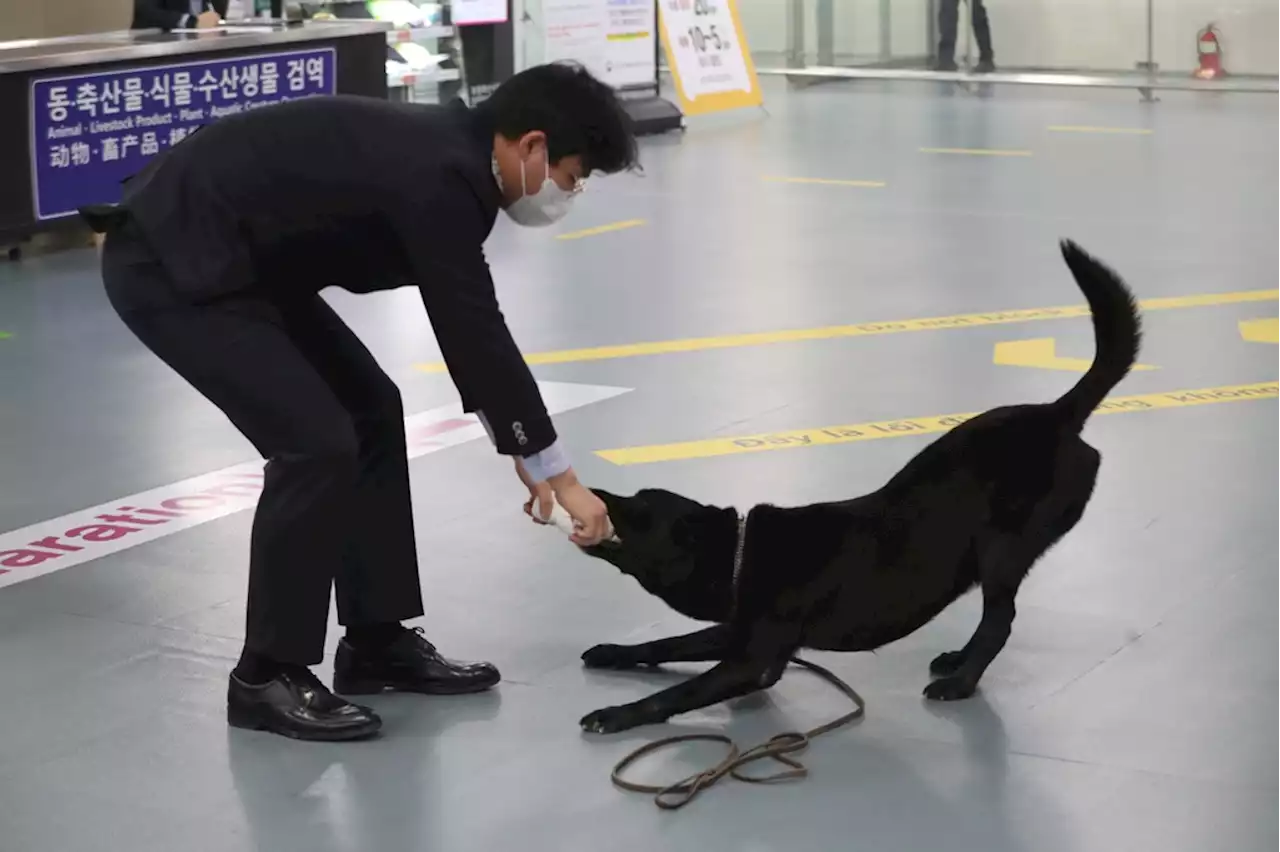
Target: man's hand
[590,515]
[208,19]
[540,494]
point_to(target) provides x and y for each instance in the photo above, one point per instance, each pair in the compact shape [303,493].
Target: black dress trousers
[298,383]
[948,21]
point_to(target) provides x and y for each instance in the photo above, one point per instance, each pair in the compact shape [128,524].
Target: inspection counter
[79,115]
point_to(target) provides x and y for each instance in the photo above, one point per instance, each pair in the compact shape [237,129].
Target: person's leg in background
[377,584]
[982,35]
[948,28]
[237,354]
[948,19]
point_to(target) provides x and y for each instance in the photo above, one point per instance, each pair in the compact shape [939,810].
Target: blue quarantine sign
[89,132]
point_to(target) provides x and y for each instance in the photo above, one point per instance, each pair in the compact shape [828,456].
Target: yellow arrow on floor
[1041,353]
[1261,330]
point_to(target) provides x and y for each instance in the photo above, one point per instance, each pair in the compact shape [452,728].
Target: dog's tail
[1117,329]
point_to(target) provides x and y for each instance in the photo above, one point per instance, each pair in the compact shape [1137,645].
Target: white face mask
[545,207]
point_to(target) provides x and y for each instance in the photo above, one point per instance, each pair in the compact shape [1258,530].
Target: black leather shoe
[409,664]
[296,704]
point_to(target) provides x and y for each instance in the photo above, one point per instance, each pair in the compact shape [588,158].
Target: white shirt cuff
[552,461]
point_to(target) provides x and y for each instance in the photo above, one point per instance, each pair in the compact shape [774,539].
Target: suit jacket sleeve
[444,231]
[152,14]
[155,14]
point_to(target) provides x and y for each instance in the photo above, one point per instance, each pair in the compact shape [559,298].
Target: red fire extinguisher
[1209,49]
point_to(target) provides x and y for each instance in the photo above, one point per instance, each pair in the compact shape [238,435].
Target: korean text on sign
[90,132]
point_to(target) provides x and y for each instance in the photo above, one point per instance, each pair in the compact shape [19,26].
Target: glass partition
[1244,29]
[872,33]
[767,29]
[1062,36]
[1086,38]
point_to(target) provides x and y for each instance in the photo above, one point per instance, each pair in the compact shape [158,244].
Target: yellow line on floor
[978,152]
[867,184]
[601,229]
[1041,353]
[731,341]
[1261,330]
[850,433]
[1080,128]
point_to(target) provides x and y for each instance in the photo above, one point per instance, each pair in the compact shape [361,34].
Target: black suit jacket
[360,193]
[169,14]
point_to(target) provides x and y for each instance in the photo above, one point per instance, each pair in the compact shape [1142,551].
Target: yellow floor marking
[601,229]
[1041,353]
[1074,128]
[912,426]
[1261,330]
[729,341]
[867,184]
[978,152]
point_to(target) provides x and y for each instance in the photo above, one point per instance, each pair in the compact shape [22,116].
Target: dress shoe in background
[407,664]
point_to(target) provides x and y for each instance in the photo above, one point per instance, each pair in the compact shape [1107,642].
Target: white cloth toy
[563,521]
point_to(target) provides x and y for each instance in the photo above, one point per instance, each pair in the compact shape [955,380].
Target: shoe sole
[248,720]
[378,687]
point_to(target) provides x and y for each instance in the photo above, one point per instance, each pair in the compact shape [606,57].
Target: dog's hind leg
[712,643]
[968,664]
[948,662]
[1004,560]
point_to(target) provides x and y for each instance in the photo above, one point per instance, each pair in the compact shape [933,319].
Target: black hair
[579,114]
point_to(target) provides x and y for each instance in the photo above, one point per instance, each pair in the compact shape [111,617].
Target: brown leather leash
[778,748]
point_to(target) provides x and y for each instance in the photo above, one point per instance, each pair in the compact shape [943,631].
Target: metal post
[1149,66]
[1151,35]
[931,31]
[886,33]
[795,34]
[826,32]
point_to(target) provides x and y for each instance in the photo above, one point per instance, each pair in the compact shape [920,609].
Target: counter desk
[78,115]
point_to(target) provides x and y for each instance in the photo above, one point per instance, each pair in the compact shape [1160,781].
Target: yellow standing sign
[708,56]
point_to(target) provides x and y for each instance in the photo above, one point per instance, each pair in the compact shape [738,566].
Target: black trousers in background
[948,21]
[297,382]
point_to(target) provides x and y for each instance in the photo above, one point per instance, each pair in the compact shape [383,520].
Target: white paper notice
[470,12]
[703,43]
[613,39]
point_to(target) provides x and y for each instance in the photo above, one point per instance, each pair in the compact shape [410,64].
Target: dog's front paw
[946,664]
[610,657]
[611,720]
[949,689]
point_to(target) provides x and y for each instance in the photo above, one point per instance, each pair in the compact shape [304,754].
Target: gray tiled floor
[1134,709]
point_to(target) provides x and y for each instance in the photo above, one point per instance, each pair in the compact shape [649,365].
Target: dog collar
[738,552]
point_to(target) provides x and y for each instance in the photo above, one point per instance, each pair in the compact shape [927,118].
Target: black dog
[977,507]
